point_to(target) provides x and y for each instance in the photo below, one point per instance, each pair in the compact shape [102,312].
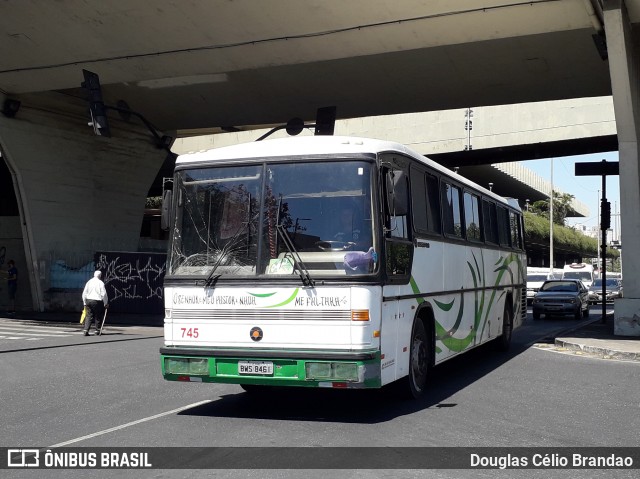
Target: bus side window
[503,227]
[516,231]
[425,200]
[472,217]
[433,204]
[451,210]
[419,201]
[490,221]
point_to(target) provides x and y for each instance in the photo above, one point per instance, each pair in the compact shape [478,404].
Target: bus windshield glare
[274,219]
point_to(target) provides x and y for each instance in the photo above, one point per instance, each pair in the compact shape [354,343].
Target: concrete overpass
[483,149]
[194,65]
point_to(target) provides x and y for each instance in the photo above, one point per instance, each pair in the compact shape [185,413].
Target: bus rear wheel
[503,342]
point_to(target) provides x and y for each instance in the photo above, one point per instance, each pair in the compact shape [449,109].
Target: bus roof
[322,145]
[578,267]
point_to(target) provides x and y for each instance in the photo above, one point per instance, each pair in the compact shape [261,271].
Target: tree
[561,207]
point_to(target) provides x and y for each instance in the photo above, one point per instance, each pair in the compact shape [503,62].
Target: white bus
[535,278]
[582,271]
[333,262]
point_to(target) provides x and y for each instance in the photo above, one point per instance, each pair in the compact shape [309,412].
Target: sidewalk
[596,338]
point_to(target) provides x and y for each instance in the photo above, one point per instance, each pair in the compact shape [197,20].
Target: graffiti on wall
[133,280]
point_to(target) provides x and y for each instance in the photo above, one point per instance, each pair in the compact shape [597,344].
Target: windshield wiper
[303,272]
[211,280]
[223,254]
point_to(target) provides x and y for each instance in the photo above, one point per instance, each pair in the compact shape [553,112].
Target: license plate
[259,368]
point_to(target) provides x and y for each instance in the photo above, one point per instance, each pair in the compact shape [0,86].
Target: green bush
[536,230]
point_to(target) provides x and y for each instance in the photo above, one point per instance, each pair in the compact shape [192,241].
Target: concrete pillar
[77,193]
[623,49]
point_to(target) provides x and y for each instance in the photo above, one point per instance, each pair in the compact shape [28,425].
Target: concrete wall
[77,193]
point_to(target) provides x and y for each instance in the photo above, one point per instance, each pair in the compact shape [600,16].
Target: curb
[590,345]
[604,352]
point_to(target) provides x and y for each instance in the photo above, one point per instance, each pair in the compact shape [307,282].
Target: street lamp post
[598,236]
[551,223]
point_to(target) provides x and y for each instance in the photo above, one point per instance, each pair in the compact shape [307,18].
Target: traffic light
[97,109]
[605,214]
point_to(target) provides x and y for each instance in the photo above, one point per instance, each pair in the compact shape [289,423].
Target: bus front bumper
[331,369]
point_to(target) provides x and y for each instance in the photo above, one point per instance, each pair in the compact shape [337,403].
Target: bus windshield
[274,220]
[536,278]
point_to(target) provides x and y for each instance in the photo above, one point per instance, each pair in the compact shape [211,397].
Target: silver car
[613,290]
[561,296]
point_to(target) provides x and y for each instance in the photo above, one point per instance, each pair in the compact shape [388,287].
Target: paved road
[16,335]
[102,392]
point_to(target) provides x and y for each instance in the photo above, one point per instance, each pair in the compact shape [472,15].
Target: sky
[584,188]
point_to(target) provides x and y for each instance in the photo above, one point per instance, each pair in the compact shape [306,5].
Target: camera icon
[23,458]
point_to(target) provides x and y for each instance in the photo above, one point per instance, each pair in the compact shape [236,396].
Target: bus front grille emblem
[255,334]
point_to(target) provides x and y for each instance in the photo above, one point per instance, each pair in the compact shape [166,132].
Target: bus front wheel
[414,384]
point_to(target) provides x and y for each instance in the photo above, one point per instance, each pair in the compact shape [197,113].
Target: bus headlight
[196,366]
[335,371]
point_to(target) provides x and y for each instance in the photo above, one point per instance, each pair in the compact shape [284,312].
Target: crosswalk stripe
[2,330]
[36,329]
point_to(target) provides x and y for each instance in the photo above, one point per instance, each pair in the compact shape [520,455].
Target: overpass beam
[77,193]
[622,46]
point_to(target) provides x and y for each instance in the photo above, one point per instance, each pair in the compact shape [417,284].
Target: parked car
[613,290]
[561,296]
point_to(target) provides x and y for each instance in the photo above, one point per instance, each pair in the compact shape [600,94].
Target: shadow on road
[358,406]
[378,406]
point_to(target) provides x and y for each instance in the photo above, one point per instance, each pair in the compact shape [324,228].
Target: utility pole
[551,223]
[598,236]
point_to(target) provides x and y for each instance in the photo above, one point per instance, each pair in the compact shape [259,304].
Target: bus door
[397,316]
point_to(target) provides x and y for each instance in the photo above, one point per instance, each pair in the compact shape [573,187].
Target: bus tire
[414,384]
[503,342]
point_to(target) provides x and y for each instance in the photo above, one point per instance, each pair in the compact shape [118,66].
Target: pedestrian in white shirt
[94,298]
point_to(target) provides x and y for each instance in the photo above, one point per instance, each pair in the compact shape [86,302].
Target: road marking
[133,423]
[14,327]
[13,330]
[10,331]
